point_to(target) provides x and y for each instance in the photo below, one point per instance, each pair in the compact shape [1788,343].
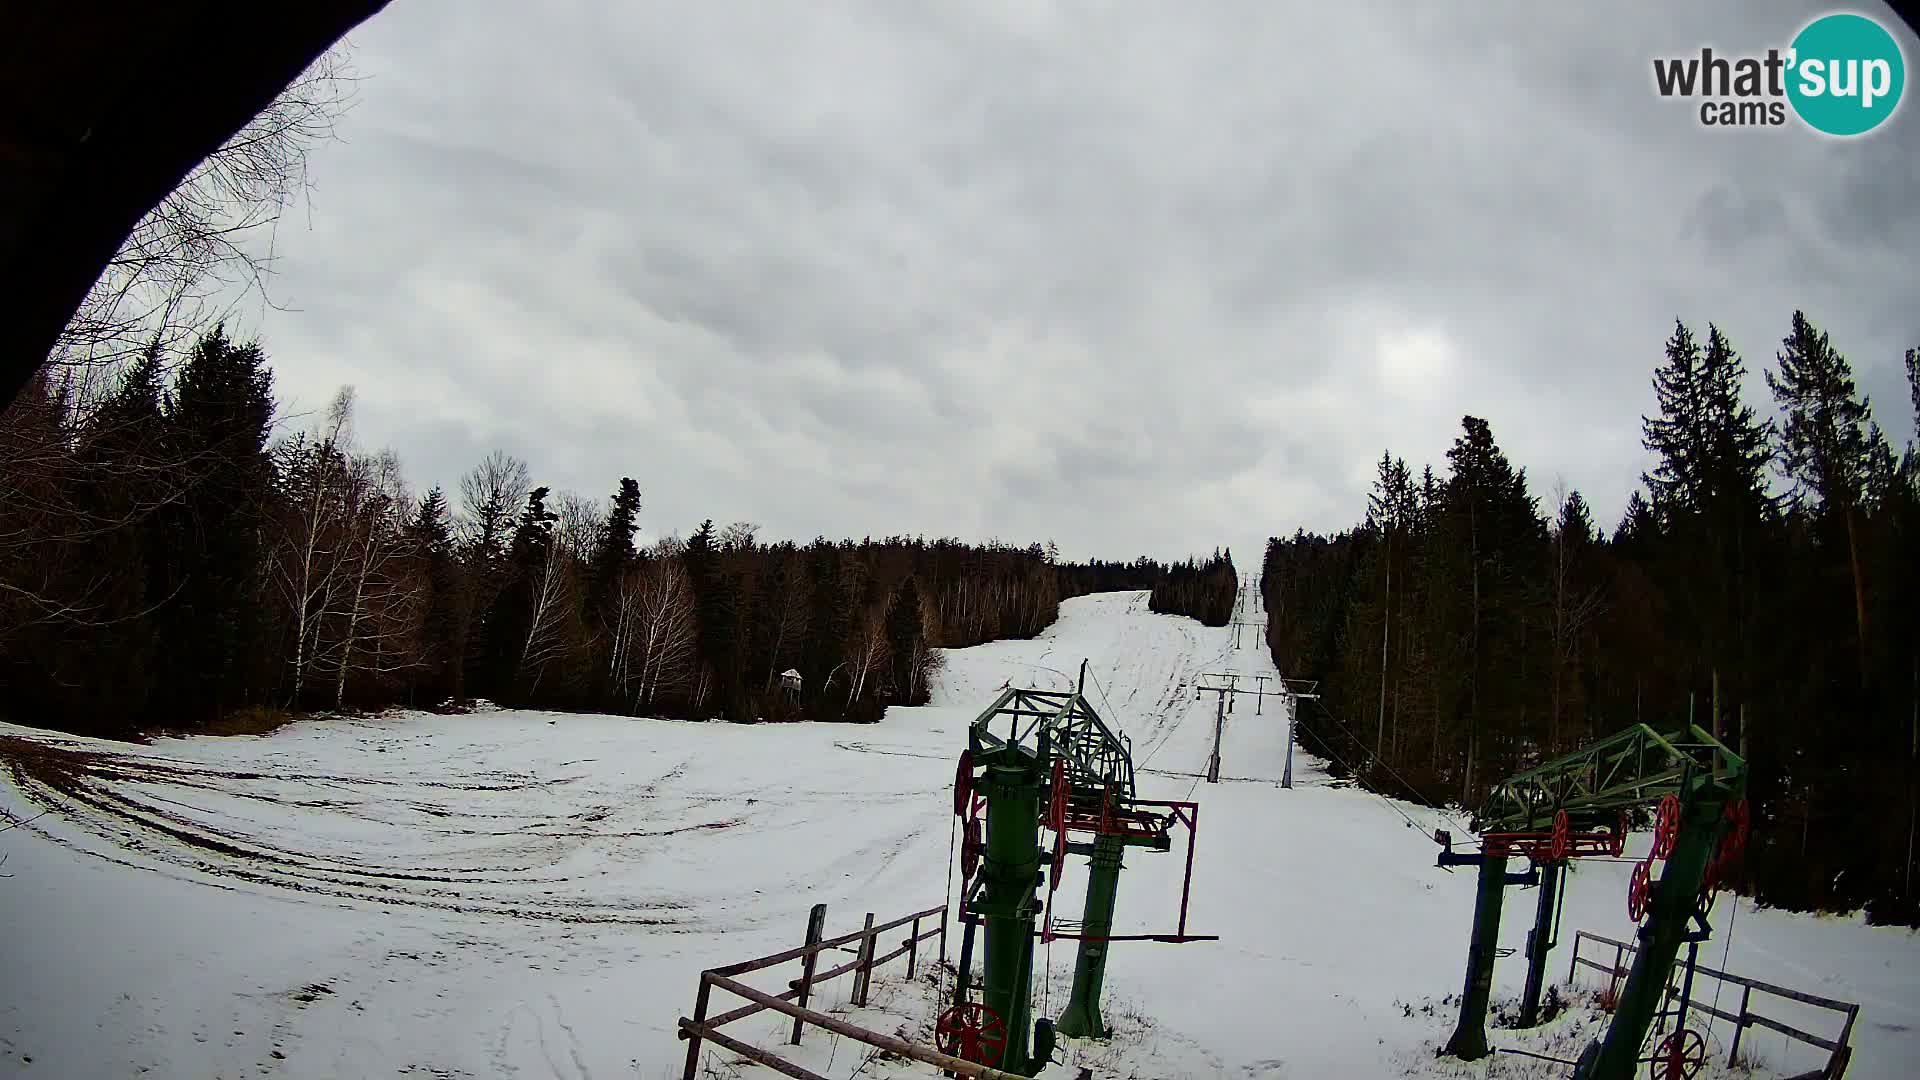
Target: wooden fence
[1838,1050]
[701,1027]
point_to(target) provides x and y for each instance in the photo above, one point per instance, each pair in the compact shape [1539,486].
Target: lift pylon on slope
[1577,805]
[1053,763]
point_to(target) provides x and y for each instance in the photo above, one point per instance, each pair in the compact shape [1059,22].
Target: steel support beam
[1082,1017]
[1469,1041]
[1540,941]
[1011,870]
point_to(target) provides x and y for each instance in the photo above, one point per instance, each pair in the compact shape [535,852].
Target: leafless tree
[553,584]
[665,633]
[209,244]
[384,596]
[307,567]
[491,493]
[866,654]
[738,536]
[50,459]
[582,521]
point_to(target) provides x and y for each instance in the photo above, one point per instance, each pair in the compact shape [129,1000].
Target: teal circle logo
[1846,74]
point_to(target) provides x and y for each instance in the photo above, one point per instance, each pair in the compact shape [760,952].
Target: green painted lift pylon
[1042,731]
[1675,902]
[1011,867]
[1541,940]
[1082,1017]
[1469,1041]
[1007,902]
[1636,767]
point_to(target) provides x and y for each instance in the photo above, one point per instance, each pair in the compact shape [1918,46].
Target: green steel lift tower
[1579,805]
[1044,759]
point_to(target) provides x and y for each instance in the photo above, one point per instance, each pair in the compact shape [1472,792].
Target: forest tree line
[1764,582]
[1204,590]
[169,558]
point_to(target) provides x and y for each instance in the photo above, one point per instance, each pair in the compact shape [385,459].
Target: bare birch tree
[867,653]
[666,632]
[306,569]
[383,597]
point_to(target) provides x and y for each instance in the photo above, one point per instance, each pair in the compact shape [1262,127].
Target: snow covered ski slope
[533,895]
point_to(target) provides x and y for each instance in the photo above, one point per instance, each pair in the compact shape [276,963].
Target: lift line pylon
[1579,805]
[1045,758]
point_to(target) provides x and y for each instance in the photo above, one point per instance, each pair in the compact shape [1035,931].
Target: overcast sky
[1139,277]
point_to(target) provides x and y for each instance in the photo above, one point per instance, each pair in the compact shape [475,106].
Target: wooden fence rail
[701,1027]
[1838,1049]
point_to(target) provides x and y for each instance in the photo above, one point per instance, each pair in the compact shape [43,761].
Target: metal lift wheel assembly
[1680,1056]
[963,784]
[1698,786]
[1045,758]
[1057,797]
[1666,826]
[972,1032]
[1740,823]
[970,848]
[1639,890]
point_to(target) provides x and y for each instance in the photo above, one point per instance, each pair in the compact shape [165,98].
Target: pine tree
[1827,444]
[129,480]
[716,607]
[1678,434]
[511,619]
[217,423]
[443,624]
[906,638]
[1638,526]
[614,553]
[1497,533]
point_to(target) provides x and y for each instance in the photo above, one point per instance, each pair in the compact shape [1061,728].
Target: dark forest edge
[1462,635]
[167,562]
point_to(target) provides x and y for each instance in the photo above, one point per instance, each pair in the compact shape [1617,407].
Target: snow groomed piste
[1059,768]
[536,894]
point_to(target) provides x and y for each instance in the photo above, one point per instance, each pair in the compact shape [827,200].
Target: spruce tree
[715,606]
[614,554]
[1678,433]
[1827,443]
[442,631]
[906,635]
[216,424]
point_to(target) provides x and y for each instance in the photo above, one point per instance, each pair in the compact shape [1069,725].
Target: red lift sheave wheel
[1057,802]
[1666,826]
[1679,1056]
[970,848]
[1639,890]
[972,1032]
[1739,824]
[1562,835]
[1059,860]
[963,784]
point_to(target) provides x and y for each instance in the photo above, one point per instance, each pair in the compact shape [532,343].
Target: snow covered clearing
[530,894]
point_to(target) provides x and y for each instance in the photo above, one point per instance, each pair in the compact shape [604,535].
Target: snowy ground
[526,894]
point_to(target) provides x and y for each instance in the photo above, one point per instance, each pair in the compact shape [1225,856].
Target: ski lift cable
[1391,804]
[1442,811]
[1727,951]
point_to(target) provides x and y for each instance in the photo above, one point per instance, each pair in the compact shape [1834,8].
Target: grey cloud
[1119,275]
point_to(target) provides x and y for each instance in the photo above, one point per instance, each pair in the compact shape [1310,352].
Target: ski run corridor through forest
[525,894]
